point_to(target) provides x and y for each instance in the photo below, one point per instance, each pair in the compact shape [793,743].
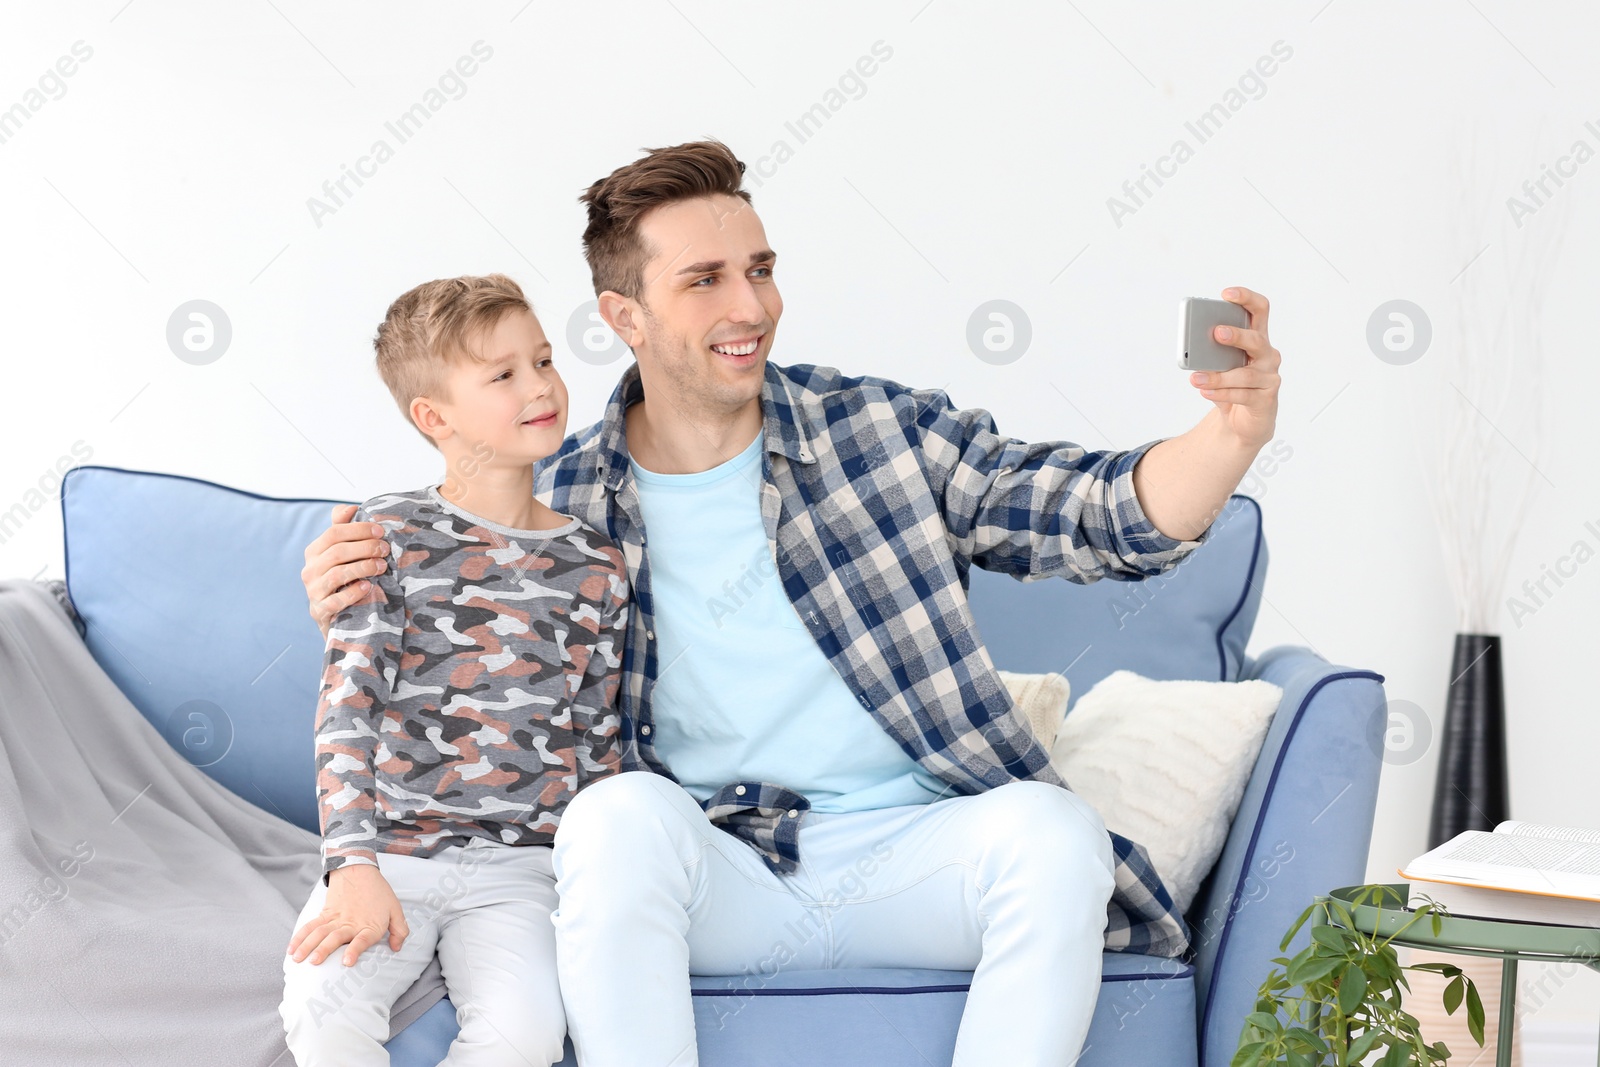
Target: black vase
[1470,792]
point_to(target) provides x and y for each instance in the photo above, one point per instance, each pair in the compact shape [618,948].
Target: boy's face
[508,411]
[710,306]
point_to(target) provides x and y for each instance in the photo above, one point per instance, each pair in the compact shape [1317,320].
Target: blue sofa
[146,552]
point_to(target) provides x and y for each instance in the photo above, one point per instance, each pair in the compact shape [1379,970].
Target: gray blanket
[144,909]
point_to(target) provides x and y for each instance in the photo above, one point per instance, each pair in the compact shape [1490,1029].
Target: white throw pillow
[1165,764]
[1042,699]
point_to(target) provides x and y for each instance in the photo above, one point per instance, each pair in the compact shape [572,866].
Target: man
[839,777]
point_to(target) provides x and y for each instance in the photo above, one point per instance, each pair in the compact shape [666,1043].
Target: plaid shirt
[877,499]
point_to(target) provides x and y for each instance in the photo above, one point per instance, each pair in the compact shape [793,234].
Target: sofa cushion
[1165,763]
[1042,699]
[889,1017]
[191,600]
[1192,622]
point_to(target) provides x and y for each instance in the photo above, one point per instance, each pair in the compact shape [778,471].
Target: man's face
[710,306]
[512,409]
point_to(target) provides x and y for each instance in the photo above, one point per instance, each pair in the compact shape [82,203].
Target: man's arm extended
[1183,482]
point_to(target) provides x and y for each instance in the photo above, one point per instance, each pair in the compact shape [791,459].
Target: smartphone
[1197,349]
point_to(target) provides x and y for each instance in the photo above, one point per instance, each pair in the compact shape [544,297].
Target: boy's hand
[359,907]
[337,561]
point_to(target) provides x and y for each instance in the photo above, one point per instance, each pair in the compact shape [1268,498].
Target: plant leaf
[1454,990]
[1352,988]
[1248,1055]
[1449,970]
[1474,1012]
[1295,929]
[1312,968]
[1310,1038]
[1363,1045]
[1329,936]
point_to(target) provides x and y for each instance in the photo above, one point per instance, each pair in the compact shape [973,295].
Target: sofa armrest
[1303,827]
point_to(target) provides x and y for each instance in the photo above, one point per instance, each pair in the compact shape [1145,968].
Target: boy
[464,700]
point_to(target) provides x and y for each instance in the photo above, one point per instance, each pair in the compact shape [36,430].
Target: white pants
[485,908]
[1012,883]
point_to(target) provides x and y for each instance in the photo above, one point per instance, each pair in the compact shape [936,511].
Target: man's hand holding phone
[1246,395]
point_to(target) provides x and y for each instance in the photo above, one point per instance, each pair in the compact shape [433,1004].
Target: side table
[1504,939]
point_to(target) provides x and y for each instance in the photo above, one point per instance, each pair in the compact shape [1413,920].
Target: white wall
[975,163]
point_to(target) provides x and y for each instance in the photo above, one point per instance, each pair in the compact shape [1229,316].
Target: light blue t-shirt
[742,691]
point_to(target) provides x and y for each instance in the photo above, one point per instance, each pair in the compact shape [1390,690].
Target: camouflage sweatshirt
[474,691]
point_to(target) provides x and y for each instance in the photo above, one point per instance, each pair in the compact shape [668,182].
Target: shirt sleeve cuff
[1137,540]
[333,863]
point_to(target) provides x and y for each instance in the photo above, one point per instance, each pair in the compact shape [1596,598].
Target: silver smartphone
[1198,316]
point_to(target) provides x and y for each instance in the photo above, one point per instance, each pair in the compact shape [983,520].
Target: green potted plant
[1348,1004]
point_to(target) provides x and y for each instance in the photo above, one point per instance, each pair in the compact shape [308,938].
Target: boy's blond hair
[435,326]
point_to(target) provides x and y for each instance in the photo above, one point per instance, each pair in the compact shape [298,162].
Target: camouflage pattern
[474,691]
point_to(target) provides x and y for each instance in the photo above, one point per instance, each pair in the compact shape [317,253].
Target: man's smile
[739,352]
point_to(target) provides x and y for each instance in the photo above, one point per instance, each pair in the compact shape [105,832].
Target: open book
[1521,871]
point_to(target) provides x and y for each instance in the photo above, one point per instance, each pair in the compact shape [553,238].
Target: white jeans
[1012,883]
[485,908]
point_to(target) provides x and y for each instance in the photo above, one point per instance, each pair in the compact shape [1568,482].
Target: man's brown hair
[611,242]
[436,325]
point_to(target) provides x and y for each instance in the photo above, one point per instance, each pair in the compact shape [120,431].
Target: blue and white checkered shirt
[877,499]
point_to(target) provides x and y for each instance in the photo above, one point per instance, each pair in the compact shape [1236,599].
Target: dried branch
[1484,469]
